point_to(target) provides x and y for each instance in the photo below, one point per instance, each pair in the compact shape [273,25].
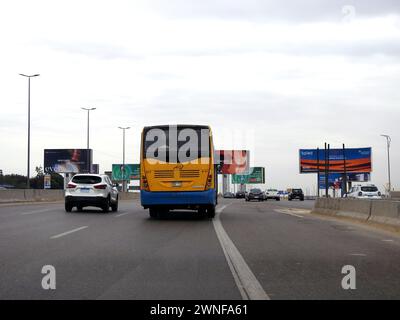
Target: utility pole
[29,126]
[388,141]
[344,179]
[89,169]
[123,157]
[318,173]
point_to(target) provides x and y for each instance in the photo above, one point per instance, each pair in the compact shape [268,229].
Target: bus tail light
[145,184]
[209,181]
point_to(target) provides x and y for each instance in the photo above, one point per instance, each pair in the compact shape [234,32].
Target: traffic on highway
[199,158]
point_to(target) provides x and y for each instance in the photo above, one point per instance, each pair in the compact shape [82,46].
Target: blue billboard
[335,179]
[358,160]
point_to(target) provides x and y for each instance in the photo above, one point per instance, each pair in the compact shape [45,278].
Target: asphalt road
[276,250]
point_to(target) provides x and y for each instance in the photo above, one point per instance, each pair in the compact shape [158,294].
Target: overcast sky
[269,76]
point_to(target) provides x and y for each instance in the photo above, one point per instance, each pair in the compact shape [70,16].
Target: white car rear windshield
[369,189]
[86,179]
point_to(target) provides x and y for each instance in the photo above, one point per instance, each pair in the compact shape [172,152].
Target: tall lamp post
[87,147]
[29,124]
[123,156]
[388,140]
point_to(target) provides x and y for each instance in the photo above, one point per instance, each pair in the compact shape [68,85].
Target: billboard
[232,161]
[131,172]
[335,179]
[95,168]
[358,160]
[256,176]
[67,160]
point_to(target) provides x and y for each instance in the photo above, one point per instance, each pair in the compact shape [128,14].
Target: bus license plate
[176,184]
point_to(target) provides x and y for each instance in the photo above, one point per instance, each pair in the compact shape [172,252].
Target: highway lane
[301,256]
[126,255]
[116,257]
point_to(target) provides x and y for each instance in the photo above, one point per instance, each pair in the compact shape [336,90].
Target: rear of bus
[177,169]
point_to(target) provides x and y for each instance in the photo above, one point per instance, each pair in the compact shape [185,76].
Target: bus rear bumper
[179,199]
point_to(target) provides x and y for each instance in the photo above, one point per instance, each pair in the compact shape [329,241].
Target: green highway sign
[256,175]
[131,172]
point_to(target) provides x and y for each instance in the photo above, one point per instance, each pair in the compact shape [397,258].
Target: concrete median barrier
[343,207]
[38,195]
[30,195]
[12,195]
[384,212]
[395,195]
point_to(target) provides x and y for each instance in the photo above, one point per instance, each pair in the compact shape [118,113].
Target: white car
[369,191]
[95,190]
[272,194]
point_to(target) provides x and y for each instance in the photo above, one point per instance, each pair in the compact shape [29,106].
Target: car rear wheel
[68,207]
[106,206]
[114,206]
[79,208]
[278,199]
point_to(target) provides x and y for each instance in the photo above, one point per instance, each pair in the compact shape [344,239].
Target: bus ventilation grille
[189,173]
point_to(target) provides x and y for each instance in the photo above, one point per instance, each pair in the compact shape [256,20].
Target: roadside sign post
[344,182]
[318,173]
[47,181]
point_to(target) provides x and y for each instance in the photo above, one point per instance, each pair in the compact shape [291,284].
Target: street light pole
[123,156]
[29,125]
[87,146]
[388,141]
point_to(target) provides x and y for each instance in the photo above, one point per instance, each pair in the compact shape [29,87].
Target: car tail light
[360,193]
[209,181]
[100,186]
[71,186]
[145,184]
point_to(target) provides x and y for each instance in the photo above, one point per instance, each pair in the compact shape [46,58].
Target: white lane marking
[68,232]
[387,240]
[358,254]
[121,214]
[36,211]
[288,212]
[247,283]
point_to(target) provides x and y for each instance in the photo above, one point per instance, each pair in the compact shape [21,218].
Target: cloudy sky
[269,76]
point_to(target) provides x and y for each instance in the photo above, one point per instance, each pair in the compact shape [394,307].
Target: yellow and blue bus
[177,169]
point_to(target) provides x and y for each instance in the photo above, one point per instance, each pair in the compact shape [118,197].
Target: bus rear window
[176,143]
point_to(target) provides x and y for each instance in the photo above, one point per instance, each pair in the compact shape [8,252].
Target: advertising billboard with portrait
[335,178]
[232,161]
[67,160]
